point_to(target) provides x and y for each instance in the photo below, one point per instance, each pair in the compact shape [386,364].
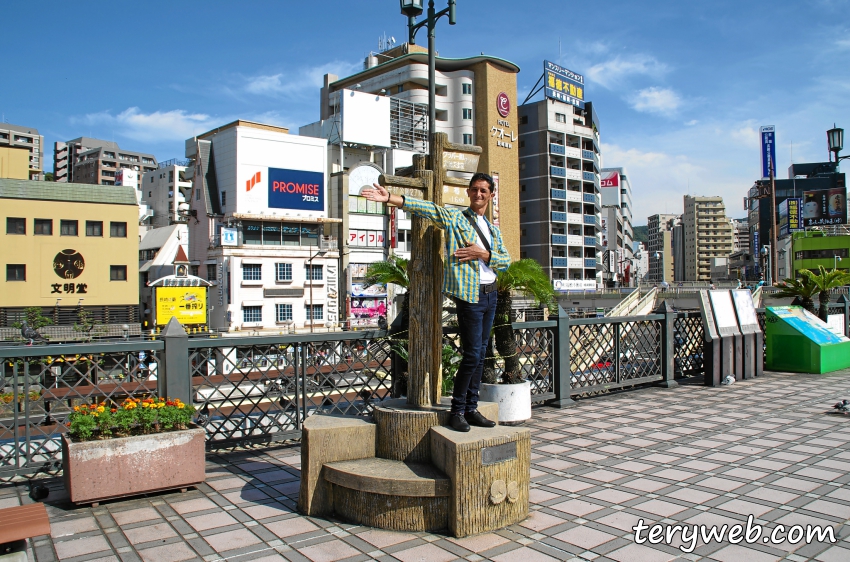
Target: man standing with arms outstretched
[474,253]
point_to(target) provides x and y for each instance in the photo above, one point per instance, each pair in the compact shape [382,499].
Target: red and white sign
[610,179]
[503,104]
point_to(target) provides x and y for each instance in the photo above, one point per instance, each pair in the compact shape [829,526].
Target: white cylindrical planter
[514,400]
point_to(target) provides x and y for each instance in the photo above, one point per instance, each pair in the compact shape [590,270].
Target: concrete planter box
[112,468]
[514,400]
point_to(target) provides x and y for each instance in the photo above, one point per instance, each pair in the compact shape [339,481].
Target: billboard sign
[562,84]
[824,207]
[187,304]
[610,179]
[790,217]
[229,237]
[768,151]
[296,189]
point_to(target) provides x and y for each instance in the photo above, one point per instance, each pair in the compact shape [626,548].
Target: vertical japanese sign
[790,218]
[768,151]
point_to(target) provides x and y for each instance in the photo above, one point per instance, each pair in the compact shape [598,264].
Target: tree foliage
[826,281]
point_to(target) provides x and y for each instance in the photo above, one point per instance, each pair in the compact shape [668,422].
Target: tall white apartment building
[560,207]
[259,228]
[95,161]
[27,138]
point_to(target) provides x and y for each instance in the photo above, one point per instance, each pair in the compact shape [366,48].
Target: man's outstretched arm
[427,209]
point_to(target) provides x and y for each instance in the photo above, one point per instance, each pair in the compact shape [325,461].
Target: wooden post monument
[403,470]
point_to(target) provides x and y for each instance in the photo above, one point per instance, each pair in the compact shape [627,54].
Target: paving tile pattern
[766,448]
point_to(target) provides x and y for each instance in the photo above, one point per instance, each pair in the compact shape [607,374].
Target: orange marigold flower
[76,408]
[113,410]
[181,405]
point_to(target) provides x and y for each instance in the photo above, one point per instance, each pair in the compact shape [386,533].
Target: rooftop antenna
[559,50]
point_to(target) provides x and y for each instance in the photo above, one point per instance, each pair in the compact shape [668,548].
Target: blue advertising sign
[768,151]
[790,216]
[563,84]
[296,189]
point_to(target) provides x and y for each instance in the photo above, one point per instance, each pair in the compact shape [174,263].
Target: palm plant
[825,281]
[803,289]
[526,277]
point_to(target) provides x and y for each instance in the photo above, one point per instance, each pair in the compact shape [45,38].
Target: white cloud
[691,123]
[176,124]
[298,82]
[612,73]
[746,135]
[662,101]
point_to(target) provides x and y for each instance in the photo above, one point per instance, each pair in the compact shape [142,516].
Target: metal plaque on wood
[499,453]
[724,313]
[460,161]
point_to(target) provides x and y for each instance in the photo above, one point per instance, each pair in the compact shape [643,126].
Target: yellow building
[14,163]
[68,246]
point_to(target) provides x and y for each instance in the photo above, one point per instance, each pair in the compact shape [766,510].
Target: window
[67,228]
[313,273]
[16,225]
[522,210]
[118,229]
[522,187]
[252,272]
[117,272]
[211,272]
[16,272]
[198,195]
[94,228]
[400,89]
[195,270]
[523,120]
[467,88]
[283,272]
[467,113]
[560,118]
[43,227]
[522,144]
[283,312]
[252,313]
[467,138]
[223,198]
[315,312]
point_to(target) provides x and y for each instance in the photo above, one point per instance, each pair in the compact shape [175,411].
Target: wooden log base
[395,513]
[391,478]
[490,473]
[402,429]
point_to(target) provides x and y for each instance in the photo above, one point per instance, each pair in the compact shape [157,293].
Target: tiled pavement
[685,455]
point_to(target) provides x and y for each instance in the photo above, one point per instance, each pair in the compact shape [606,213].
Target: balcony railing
[589,262]
[559,262]
[589,219]
[558,171]
[559,239]
[559,216]
[559,194]
[556,148]
[590,241]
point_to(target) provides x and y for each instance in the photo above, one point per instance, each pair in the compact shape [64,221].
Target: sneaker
[475,418]
[458,423]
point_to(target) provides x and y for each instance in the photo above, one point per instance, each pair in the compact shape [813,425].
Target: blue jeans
[474,323]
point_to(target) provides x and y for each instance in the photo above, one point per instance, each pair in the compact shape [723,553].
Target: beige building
[708,234]
[67,247]
[659,247]
[17,137]
[14,163]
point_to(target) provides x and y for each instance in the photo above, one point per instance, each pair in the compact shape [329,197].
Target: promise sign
[296,189]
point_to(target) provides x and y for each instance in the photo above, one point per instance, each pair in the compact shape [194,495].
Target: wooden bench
[20,523]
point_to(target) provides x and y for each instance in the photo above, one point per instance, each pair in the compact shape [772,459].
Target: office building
[707,234]
[616,192]
[95,161]
[15,139]
[259,228]
[68,248]
[560,207]
[659,248]
[165,191]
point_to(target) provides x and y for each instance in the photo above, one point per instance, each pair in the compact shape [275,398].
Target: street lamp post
[836,259]
[768,270]
[835,142]
[659,262]
[411,9]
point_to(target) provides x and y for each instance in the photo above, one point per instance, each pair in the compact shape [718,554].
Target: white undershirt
[487,275]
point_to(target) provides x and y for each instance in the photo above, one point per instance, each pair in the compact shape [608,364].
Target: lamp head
[411,8]
[835,139]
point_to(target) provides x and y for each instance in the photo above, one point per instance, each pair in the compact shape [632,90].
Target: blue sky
[680,87]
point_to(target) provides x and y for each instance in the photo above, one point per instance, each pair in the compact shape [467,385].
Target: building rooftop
[92,143]
[71,192]
[19,128]
[243,123]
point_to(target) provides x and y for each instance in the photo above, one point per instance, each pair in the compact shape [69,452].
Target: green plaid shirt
[460,279]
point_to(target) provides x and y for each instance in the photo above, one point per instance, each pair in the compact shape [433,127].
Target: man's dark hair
[486,177]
